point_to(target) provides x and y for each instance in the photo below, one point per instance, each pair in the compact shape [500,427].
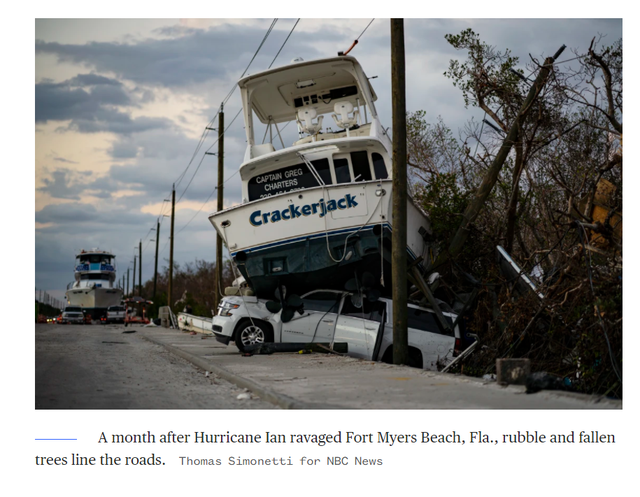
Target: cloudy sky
[121,105]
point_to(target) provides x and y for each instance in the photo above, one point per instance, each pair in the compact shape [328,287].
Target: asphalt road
[100,367]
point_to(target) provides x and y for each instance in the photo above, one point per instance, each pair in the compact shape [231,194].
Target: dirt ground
[100,367]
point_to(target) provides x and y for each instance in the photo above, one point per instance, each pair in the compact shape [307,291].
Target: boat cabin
[340,139]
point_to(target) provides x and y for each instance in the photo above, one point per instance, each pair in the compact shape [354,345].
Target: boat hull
[94,300]
[318,237]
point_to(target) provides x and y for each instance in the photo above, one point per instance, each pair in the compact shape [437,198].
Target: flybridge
[258,218]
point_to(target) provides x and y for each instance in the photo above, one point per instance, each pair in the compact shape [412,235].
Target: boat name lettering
[281,184]
[277,176]
[258,218]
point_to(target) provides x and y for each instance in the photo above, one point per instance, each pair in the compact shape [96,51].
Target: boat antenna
[355,42]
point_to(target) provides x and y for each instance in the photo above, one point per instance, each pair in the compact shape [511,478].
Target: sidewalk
[326,381]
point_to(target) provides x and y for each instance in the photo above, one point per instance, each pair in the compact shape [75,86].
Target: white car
[72,315]
[329,316]
[234,321]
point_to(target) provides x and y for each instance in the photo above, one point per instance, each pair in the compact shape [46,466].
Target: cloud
[66,161]
[92,103]
[64,184]
[185,57]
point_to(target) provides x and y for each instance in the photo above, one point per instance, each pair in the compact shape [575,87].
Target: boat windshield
[95,259]
[339,168]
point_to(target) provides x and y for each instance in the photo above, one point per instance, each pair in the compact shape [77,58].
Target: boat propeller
[362,288]
[288,304]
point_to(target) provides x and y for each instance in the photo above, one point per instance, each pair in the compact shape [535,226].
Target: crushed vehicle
[332,316]
[73,315]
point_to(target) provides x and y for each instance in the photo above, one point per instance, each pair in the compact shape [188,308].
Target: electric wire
[206,132]
[285,42]
[273,23]
[205,154]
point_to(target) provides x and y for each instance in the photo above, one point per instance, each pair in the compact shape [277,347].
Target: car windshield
[73,309]
[115,308]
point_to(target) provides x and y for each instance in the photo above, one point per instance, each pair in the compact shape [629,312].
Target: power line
[204,134]
[285,42]
[204,155]
[273,23]
[226,99]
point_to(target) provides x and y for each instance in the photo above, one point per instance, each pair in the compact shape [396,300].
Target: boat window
[288,179]
[379,167]
[361,167]
[94,276]
[322,166]
[424,320]
[341,166]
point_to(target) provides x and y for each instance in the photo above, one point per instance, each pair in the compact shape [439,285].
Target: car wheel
[252,333]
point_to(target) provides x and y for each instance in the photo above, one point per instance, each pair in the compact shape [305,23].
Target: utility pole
[155,270]
[128,269]
[399,197]
[219,263]
[173,208]
[133,287]
[140,268]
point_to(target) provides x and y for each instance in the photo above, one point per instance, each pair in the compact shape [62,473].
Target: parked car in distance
[115,314]
[73,315]
[331,316]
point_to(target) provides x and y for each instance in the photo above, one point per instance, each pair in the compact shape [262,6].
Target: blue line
[56,439]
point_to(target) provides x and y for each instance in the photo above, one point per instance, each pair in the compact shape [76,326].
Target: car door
[318,320]
[360,327]
[425,334]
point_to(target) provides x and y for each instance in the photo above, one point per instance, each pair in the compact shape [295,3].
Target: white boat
[94,287]
[318,212]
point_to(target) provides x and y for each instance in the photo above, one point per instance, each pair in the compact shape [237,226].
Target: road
[100,367]
[103,367]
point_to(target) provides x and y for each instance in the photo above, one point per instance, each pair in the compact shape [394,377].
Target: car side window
[424,320]
[373,311]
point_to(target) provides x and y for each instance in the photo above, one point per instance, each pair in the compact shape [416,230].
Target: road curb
[275,398]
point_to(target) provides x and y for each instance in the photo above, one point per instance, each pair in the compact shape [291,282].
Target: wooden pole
[399,197]
[173,209]
[140,268]
[219,263]
[133,286]
[155,270]
[128,269]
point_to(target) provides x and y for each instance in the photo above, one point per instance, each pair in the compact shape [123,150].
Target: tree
[527,178]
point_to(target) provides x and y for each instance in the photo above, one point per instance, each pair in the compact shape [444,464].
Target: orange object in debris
[135,311]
